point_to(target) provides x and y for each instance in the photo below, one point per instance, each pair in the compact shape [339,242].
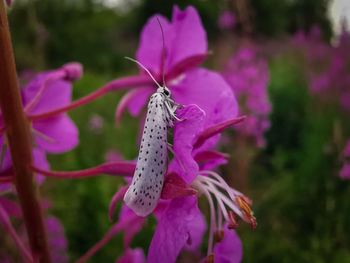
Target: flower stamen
[210,183]
[233,223]
[247,211]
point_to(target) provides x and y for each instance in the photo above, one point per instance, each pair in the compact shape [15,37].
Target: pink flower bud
[73,70]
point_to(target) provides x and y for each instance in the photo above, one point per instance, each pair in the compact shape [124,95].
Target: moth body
[147,184]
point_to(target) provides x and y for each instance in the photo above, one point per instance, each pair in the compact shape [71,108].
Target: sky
[338,11]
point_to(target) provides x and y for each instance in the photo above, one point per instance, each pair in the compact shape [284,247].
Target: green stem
[19,141]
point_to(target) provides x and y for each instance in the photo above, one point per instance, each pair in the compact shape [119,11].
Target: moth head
[164,90]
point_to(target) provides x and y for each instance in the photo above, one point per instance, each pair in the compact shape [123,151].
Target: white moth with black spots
[146,187]
[152,163]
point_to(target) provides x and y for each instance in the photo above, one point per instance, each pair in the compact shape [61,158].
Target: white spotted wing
[147,184]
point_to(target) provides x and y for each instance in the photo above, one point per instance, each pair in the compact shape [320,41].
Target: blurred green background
[301,205]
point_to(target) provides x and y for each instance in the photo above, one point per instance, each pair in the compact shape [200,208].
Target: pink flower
[181,225]
[226,20]
[96,123]
[185,48]
[56,134]
[248,76]
[57,240]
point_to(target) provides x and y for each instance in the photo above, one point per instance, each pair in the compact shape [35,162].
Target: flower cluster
[328,66]
[209,107]
[248,77]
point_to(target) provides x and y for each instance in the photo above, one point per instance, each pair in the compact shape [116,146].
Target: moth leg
[172,112]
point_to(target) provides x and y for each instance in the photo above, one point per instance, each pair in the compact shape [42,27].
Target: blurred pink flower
[113,156]
[226,20]
[96,123]
[57,240]
[248,76]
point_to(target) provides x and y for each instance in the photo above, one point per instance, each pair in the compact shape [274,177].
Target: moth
[145,189]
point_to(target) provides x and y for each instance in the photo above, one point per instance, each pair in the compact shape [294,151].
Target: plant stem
[19,141]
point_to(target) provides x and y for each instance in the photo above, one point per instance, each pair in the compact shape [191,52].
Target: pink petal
[185,65]
[189,36]
[210,92]
[136,103]
[216,129]
[57,94]
[184,134]
[175,229]
[209,160]
[184,37]
[229,250]
[62,132]
[150,49]
[175,187]
[132,229]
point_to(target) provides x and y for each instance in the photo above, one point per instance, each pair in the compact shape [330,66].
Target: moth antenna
[163,52]
[142,66]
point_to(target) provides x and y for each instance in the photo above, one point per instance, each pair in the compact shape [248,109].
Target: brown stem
[19,141]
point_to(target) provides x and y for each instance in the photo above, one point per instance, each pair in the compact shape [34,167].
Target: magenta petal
[175,187]
[229,250]
[136,103]
[133,228]
[189,36]
[184,134]
[61,131]
[216,129]
[185,65]
[210,92]
[209,160]
[150,49]
[175,230]
[198,227]
[131,96]
[57,94]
